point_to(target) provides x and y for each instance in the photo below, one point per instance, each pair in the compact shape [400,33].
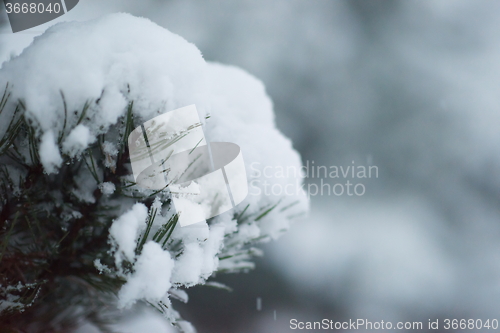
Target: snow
[248,121]
[77,141]
[198,232]
[111,152]
[188,267]
[49,153]
[211,248]
[151,279]
[107,188]
[99,62]
[199,258]
[119,59]
[125,230]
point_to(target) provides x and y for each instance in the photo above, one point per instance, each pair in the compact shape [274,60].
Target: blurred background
[412,87]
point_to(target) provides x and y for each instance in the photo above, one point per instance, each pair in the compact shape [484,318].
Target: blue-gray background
[412,87]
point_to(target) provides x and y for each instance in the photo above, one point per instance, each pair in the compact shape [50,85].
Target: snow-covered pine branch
[76,230]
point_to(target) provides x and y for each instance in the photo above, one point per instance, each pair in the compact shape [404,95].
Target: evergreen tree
[67,186]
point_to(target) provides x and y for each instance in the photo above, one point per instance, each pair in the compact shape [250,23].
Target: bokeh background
[412,87]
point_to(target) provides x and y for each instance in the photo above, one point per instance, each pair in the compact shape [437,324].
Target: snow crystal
[151,279]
